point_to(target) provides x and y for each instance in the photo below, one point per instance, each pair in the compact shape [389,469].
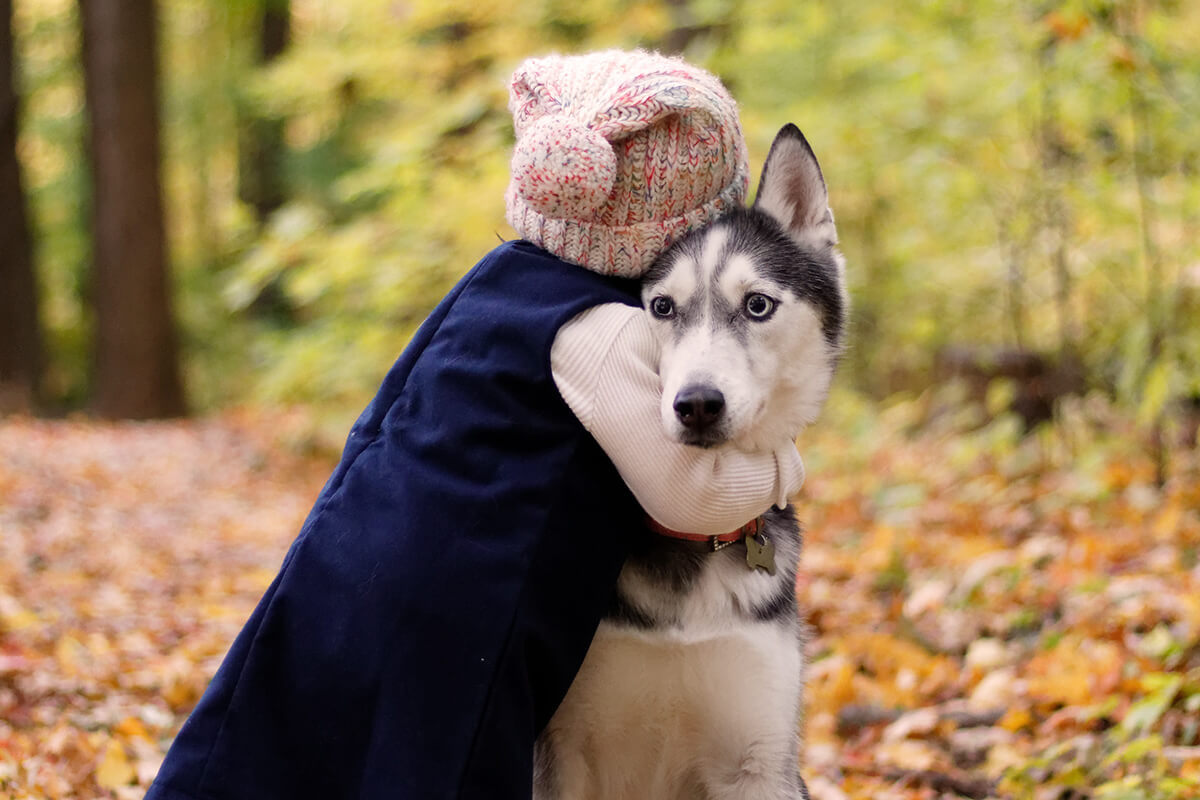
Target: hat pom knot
[562,168]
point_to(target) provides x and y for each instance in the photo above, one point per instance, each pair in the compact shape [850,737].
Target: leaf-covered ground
[998,616]
[991,616]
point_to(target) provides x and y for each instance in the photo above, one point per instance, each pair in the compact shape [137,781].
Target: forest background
[1016,191]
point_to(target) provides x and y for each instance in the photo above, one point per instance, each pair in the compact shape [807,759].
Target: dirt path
[975,604]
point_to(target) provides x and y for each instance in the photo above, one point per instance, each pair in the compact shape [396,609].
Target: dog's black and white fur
[692,687]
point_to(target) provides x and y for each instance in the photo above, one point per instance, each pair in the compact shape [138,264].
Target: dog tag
[760,553]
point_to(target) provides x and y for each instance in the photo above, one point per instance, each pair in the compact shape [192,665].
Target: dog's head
[750,311]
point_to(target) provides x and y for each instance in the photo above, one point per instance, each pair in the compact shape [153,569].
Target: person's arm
[605,364]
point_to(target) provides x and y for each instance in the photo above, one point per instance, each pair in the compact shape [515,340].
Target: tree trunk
[135,362]
[20,340]
[260,143]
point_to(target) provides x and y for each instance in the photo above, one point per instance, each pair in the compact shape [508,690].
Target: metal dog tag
[760,553]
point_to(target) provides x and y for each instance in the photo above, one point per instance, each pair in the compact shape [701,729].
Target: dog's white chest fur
[666,715]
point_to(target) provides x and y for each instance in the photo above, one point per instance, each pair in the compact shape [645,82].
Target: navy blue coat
[445,587]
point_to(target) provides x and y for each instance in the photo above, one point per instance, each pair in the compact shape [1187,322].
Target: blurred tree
[20,339]
[136,370]
[260,141]
[261,148]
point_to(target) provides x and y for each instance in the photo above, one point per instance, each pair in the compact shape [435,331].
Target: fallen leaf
[114,769]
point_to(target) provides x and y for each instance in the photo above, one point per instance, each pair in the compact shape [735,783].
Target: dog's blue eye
[759,306]
[662,307]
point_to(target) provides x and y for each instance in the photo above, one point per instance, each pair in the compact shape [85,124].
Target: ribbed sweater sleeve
[605,364]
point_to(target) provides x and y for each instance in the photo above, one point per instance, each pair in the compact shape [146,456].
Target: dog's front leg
[560,772]
[751,747]
[761,773]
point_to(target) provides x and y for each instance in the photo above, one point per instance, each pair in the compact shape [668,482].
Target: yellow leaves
[994,614]
[131,757]
[877,669]
[132,727]
[114,769]
[221,611]
[86,655]
[1016,719]
[14,616]
[887,657]
[71,656]
[181,687]
[125,536]
[835,675]
[1022,592]
[1166,524]
[180,695]
[908,754]
[1076,672]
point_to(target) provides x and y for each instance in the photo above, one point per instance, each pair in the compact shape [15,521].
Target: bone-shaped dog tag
[760,553]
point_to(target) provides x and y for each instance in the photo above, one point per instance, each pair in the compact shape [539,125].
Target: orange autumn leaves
[130,556]
[989,610]
[990,616]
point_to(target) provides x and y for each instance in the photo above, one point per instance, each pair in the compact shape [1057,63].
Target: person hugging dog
[446,585]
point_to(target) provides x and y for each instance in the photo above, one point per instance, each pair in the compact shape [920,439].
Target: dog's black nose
[698,407]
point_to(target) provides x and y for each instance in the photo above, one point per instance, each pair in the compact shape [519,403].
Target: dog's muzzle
[699,407]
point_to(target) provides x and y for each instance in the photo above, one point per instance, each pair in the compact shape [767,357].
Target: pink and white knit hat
[619,154]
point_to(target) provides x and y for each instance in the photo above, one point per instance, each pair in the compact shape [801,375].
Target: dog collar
[717,542]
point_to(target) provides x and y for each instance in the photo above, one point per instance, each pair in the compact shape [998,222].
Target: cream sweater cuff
[605,364]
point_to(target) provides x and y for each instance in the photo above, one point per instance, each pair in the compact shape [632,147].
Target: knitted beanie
[618,154]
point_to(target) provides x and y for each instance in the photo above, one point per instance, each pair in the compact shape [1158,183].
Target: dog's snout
[699,407]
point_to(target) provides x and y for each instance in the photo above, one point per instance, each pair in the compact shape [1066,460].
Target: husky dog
[692,687]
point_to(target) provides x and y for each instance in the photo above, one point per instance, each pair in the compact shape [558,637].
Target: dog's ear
[792,190]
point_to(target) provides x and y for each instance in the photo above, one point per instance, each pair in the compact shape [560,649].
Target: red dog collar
[718,542]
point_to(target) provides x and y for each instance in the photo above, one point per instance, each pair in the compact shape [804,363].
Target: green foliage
[399,165]
[1003,174]
[1127,763]
[50,82]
